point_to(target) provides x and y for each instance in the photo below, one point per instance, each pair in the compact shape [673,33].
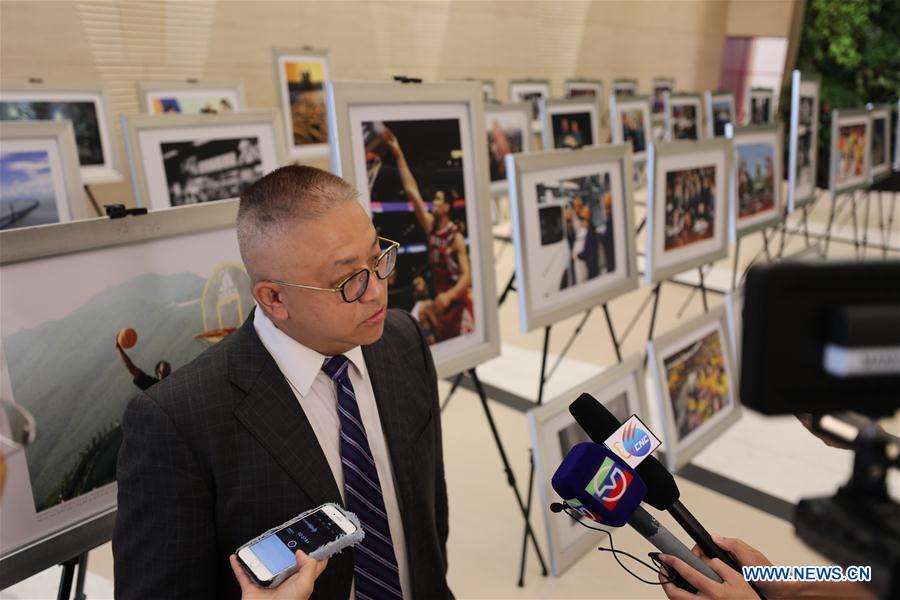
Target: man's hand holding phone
[298,586]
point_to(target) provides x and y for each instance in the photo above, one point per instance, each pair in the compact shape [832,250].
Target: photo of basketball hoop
[75,363]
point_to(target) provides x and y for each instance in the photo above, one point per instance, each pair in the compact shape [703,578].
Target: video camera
[822,338]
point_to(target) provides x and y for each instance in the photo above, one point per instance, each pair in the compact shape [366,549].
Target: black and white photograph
[761,106]
[209,170]
[569,230]
[188,159]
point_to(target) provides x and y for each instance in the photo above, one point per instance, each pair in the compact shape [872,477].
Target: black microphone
[662,491]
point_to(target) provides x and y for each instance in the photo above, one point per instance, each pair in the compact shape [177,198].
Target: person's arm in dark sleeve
[164,542]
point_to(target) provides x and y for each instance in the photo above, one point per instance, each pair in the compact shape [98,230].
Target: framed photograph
[687,206]
[881,142]
[760,106]
[573,224]
[86,105]
[660,86]
[851,156]
[719,112]
[684,120]
[897,139]
[163,288]
[40,181]
[301,74]
[554,431]
[417,155]
[531,91]
[191,97]
[508,128]
[625,87]
[695,381]
[803,140]
[573,88]
[756,184]
[490,91]
[187,159]
[570,122]
[631,123]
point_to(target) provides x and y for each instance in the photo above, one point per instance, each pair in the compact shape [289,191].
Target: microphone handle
[667,543]
[699,534]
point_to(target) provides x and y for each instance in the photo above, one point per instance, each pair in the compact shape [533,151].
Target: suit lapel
[271,413]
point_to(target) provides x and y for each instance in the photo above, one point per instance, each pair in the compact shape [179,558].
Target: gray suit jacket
[220,451]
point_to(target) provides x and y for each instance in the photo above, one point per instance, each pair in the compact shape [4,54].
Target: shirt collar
[298,363]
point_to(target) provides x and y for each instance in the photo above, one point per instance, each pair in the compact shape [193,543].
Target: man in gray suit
[323,395]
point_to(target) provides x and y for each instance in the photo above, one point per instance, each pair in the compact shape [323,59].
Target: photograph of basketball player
[851,153]
[408,162]
[690,198]
[572,130]
[633,129]
[127,338]
[755,179]
[576,225]
[505,136]
[684,122]
[697,382]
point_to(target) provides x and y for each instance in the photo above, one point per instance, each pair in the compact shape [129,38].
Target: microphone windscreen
[598,484]
[598,423]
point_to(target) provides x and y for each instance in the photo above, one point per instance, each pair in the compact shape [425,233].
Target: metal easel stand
[68,575]
[737,253]
[96,205]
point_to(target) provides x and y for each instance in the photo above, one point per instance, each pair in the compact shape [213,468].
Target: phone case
[321,553]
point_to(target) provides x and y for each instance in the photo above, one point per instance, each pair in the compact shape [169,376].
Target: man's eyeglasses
[17,428]
[353,287]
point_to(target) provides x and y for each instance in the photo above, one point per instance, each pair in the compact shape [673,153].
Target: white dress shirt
[316,393]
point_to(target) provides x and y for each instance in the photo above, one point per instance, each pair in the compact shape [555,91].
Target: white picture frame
[849,167]
[683,117]
[756,197]
[719,112]
[40,180]
[554,431]
[115,275]
[86,104]
[625,87]
[695,347]
[659,87]
[170,166]
[570,122]
[880,141]
[734,310]
[448,119]
[803,139]
[555,277]
[508,129]
[305,133]
[639,129]
[760,106]
[531,91]
[668,249]
[190,97]
[574,88]
[489,89]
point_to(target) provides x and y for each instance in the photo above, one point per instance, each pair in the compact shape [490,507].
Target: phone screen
[315,530]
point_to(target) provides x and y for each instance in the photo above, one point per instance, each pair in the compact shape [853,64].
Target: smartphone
[321,532]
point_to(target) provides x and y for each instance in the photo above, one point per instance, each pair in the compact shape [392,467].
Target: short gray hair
[284,197]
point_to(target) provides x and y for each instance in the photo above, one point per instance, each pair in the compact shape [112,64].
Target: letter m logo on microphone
[609,484]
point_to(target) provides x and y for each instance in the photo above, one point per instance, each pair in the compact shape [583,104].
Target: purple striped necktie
[374,561]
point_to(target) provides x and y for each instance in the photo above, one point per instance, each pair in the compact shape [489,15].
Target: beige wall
[120,43]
